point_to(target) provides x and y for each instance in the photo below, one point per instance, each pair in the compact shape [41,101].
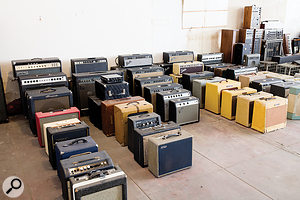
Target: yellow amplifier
[188,67]
[246,79]
[214,91]
[176,78]
[229,99]
[269,114]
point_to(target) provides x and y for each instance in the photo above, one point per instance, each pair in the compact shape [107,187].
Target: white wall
[75,28]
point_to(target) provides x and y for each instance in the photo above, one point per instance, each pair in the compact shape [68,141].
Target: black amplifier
[84,86]
[63,133]
[82,165]
[233,73]
[187,79]
[163,99]
[39,81]
[112,78]
[264,84]
[141,137]
[239,50]
[101,184]
[81,65]
[210,58]
[3,107]
[141,121]
[135,60]
[296,45]
[95,111]
[168,67]
[212,67]
[285,59]
[271,48]
[257,40]
[178,56]
[36,66]
[47,100]
[273,34]
[184,110]
[111,91]
[140,83]
[252,60]
[282,89]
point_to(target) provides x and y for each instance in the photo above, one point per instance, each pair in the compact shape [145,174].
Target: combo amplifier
[246,36]
[82,165]
[273,34]
[95,111]
[140,83]
[287,44]
[252,60]
[176,78]
[36,66]
[81,65]
[184,110]
[212,67]
[187,79]
[210,58]
[239,50]
[270,48]
[168,67]
[141,121]
[264,84]
[296,45]
[112,78]
[135,60]
[3,107]
[286,59]
[163,100]
[257,40]
[111,91]
[233,73]
[187,67]
[178,56]
[252,17]
[47,100]
[141,137]
[267,66]
[282,89]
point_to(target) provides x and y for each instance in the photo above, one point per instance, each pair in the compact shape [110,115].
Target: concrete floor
[229,162]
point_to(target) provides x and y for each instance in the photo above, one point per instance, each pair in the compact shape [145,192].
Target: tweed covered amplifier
[187,67]
[178,56]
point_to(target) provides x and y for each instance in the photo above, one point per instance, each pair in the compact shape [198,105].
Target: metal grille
[267,66]
[288,69]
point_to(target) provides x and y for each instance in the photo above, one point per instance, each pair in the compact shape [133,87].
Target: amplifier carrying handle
[82,140]
[171,135]
[91,58]
[82,161]
[48,90]
[134,102]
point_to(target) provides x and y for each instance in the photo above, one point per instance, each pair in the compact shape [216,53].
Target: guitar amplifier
[150,91]
[112,78]
[283,77]
[287,44]
[267,66]
[107,184]
[187,79]
[170,153]
[178,56]
[63,133]
[141,121]
[111,91]
[282,89]
[293,103]
[140,83]
[141,137]
[199,86]
[81,65]
[53,116]
[286,59]
[257,40]
[176,78]
[248,78]
[273,34]
[107,110]
[163,100]
[82,165]
[252,60]
[140,72]
[84,86]
[95,111]
[210,58]
[296,45]
[212,67]
[270,48]
[168,67]
[187,67]
[121,113]
[47,100]
[184,110]
[264,84]
[252,17]
[135,60]
[221,72]
[239,50]
[233,73]
[3,107]
[39,81]
[36,66]
[271,24]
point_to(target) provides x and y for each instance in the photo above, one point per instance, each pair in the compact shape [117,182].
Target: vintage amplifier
[271,24]
[168,67]
[95,111]
[107,184]
[163,155]
[187,79]
[229,101]
[286,59]
[135,60]
[252,60]
[212,67]
[141,121]
[244,107]
[199,86]
[252,17]
[53,116]
[121,113]
[140,72]
[176,78]
[296,45]
[187,67]
[36,66]
[264,84]
[288,69]
[150,91]
[294,103]
[84,86]
[82,165]
[233,73]
[178,56]
[39,81]
[81,65]
[47,100]
[269,114]
[282,89]
[184,110]
[111,91]
[273,34]
[267,66]
[112,78]
[213,94]
[270,48]
[3,107]
[141,137]
[107,110]
[140,83]
[283,77]
[63,133]
[239,51]
[228,38]
[210,58]
[248,78]
[287,44]
[221,72]
[163,100]
[246,36]
[257,40]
